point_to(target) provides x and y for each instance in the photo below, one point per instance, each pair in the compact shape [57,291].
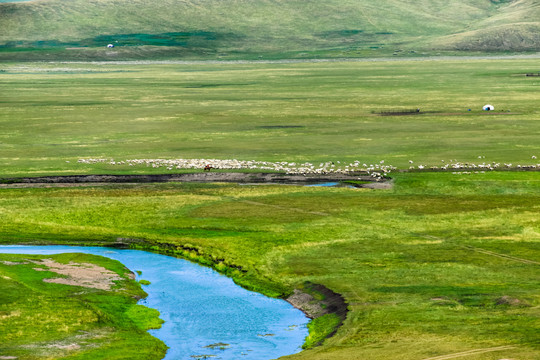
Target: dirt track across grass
[470,353]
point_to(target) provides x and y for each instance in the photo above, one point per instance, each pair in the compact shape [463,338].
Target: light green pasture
[55,113]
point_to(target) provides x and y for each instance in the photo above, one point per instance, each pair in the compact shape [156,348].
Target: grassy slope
[74,111]
[514,29]
[268,28]
[50,321]
[411,262]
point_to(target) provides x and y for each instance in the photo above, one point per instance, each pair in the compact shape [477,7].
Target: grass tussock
[321,328]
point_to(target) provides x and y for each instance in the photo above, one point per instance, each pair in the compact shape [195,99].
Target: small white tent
[110,46]
[488,108]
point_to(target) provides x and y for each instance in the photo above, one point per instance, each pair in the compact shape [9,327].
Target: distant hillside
[81,29]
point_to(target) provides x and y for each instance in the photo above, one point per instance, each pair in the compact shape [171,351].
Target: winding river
[201,307]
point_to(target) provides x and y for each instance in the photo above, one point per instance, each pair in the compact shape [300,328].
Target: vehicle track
[487,252]
[285,208]
[502,256]
[470,352]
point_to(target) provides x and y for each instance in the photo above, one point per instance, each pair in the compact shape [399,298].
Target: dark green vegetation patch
[183,39]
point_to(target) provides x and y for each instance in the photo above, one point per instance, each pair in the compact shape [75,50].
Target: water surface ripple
[201,307]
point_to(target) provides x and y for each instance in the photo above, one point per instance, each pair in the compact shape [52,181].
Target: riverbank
[316,301]
[358,180]
[327,309]
[198,304]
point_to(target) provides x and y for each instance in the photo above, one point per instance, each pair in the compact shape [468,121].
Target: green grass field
[317,112]
[442,264]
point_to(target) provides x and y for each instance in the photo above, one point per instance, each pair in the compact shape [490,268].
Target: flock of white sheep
[375,170]
[456,165]
[337,167]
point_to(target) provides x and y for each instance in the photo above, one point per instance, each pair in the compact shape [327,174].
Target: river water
[202,307]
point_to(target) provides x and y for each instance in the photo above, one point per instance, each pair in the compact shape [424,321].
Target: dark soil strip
[399,112]
[331,303]
[316,300]
[203,177]
[281,127]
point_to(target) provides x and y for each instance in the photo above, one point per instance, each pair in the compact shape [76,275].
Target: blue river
[202,307]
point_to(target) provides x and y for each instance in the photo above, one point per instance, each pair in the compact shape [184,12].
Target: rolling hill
[251,29]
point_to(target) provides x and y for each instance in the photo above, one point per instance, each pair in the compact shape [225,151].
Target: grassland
[54,114]
[41,320]
[142,29]
[441,264]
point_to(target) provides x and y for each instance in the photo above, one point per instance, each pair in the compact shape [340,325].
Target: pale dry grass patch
[79,274]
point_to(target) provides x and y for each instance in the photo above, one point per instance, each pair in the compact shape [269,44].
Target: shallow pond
[201,307]
[326,184]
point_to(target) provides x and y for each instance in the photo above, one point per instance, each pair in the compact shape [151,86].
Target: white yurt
[488,107]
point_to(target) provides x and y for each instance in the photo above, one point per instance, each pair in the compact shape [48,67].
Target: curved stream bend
[201,307]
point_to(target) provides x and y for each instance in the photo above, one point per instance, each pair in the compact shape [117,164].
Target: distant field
[53,114]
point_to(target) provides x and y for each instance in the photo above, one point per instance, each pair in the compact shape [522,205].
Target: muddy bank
[317,300]
[233,177]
